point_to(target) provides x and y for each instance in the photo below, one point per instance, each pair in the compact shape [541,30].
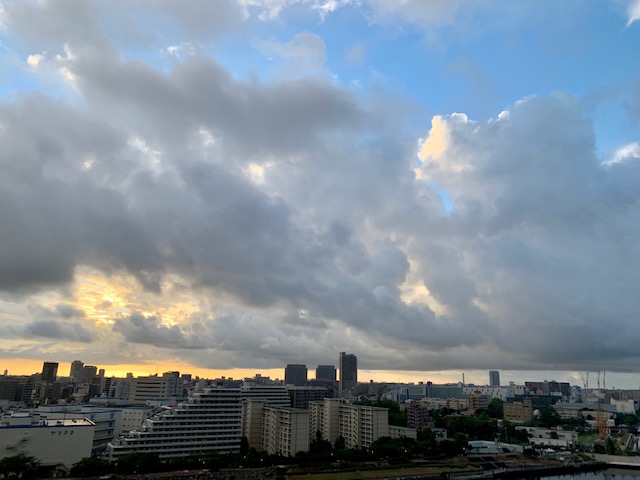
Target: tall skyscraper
[89,372]
[494,378]
[326,373]
[295,374]
[49,371]
[348,364]
[76,370]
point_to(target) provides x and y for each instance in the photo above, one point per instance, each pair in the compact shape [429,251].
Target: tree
[495,408]
[627,419]
[91,467]
[19,466]
[480,428]
[549,417]
[137,463]
[319,445]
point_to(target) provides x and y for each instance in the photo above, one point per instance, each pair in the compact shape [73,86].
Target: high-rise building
[326,373]
[295,374]
[359,425]
[301,396]
[210,421]
[348,364]
[76,370]
[494,378]
[49,371]
[144,388]
[174,384]
[89,372]
[275,430]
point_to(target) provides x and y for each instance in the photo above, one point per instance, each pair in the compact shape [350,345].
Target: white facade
[133,418]
[51,442]
[210,420]
[494,392]
[107,421]
[359,425]
[144,388]
[285,431]
[624,406]
[273,395]
[402,432]
[551,437]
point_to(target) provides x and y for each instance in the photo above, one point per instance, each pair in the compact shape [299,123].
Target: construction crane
[585,379]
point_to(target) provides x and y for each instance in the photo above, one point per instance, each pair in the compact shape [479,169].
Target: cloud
[137,328]
[241,222]
[626,152]
[65,332]
[303,56]
[69,311]
[633,12]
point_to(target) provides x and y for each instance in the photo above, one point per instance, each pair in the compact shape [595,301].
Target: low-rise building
[107,421]
[402,432]
[518,412]
[548,437]
[624,406]
[51,442]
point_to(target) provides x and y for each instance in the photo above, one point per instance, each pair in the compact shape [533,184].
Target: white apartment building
[143,388]
[51,442]
[450,403]
[501,392]
[274,395]
[275,430]
[325,418]
[134,417]
[210,420]
[359,425]
[286,431]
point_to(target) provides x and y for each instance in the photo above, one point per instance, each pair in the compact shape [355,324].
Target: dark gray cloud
[137,328]
[66,332]
[69,311]
[291,213]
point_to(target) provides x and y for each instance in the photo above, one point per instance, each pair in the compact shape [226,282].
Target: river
[608,474]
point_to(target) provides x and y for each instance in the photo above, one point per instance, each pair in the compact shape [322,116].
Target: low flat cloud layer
[263,222]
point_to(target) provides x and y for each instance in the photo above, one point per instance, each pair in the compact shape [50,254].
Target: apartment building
[518,412]
[301,396]
[145,388]
[210,420]
[477,401]
[359,425]
[418,416]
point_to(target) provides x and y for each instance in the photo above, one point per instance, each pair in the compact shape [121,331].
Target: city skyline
[610,380]
[440,187]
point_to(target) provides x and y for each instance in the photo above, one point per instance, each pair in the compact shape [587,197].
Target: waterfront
[608,474]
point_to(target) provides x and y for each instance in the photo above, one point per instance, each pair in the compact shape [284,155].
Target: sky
[225,187]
